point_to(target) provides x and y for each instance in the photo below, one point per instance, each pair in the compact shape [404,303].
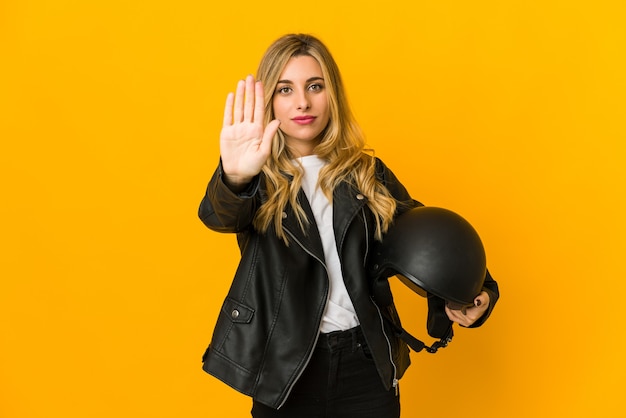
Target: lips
[304,120]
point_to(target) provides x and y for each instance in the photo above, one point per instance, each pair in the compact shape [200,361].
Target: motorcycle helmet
[434,250]
[437,254]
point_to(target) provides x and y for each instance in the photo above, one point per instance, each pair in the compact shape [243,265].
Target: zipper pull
[395,385]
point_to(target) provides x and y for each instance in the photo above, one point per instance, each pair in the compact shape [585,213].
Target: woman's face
[300,102]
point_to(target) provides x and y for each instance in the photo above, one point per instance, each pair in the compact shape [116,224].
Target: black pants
[340,381]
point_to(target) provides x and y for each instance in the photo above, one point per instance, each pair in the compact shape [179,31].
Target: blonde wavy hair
[342,144]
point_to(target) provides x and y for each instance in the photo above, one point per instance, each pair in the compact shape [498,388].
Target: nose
[303,102]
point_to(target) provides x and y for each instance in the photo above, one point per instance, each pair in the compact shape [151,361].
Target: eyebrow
[308,80]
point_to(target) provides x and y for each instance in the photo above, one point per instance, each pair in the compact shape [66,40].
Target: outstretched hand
[245,144]
[467,316]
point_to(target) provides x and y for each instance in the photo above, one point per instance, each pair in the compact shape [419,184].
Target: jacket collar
[347,202]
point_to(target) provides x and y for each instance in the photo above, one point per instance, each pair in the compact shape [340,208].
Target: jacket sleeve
[395,188]
[222,210]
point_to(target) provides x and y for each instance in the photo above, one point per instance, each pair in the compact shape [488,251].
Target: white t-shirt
[339,314]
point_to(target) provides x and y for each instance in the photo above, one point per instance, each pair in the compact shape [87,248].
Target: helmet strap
[438,326]
[417,345]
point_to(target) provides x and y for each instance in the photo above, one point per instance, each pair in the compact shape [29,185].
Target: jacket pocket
[237,312]
[232,331]
[233,312]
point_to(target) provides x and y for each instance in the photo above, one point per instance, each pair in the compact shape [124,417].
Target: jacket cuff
[493,297]
[251,189]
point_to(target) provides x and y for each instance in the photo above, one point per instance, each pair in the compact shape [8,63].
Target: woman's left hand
[468,316]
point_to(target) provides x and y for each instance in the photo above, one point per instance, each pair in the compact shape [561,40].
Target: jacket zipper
[318,324]
[367,242]
[395,380]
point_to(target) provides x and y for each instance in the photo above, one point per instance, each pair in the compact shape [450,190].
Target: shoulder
[394,186]
[382,171]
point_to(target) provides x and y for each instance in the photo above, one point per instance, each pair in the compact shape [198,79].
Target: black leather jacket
[269,322]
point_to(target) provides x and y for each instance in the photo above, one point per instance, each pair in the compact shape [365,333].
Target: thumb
[268,135]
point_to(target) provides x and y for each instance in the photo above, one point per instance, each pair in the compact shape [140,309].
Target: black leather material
[280,291]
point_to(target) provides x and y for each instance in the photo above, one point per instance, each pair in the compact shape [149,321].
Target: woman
[299,331]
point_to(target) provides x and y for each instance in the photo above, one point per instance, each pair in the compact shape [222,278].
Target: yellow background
[508,112]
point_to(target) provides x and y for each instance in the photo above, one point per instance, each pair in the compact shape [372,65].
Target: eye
[283,90]
[316,87]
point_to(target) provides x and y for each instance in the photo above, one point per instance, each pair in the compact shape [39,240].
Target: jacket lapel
[310,238]
[347,202]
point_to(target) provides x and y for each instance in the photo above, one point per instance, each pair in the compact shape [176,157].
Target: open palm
[245,144]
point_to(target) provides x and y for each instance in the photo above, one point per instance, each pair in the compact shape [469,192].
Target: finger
[456,316]
[482,299]
[239,97]
[452,314]
[228,109]
[268,136]
[259,102]
[248,112]
[473,313]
